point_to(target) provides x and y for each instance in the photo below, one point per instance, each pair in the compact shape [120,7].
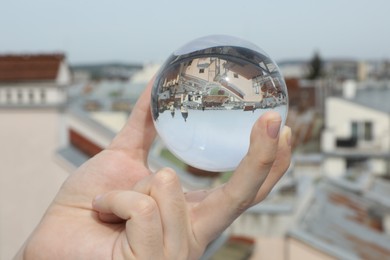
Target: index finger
[138,133]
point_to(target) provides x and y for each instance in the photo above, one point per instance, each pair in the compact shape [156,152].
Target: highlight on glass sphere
[207,96]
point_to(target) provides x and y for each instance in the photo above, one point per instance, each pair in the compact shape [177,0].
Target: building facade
[357,131]
[33,80]
[32,97]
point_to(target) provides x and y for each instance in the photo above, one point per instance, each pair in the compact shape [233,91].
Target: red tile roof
[36,67]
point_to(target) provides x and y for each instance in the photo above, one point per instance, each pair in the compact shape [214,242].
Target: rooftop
[374,97]
[28,67]
[345,224]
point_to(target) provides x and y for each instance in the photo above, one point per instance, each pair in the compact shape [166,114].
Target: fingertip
[270,119]
[167,170]
[96,201]
[287,135]
[138,133]
[271,116]
[274,121]
[265,131]
[166,176]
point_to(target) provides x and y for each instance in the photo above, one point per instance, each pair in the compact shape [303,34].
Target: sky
[149,31]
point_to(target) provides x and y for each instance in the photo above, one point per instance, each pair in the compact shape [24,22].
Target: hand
[141,215]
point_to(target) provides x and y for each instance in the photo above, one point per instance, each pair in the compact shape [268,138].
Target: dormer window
[43,96]
[20,97]
[8,96]
[31,96]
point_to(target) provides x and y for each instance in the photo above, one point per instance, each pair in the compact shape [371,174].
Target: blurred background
[71,72]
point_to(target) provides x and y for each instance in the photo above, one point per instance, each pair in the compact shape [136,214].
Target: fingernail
[96,199]
[273,128]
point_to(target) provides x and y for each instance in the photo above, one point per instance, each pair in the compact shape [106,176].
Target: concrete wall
[297,250]
[29,174]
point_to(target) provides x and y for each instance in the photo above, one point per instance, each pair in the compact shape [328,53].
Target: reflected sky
[212,138]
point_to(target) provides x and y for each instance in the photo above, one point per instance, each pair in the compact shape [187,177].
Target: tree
[315,66]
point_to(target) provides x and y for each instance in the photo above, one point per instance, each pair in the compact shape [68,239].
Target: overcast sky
[149,31]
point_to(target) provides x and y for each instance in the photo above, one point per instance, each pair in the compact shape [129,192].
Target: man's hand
[113,207]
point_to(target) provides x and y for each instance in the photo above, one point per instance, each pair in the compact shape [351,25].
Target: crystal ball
[207,96]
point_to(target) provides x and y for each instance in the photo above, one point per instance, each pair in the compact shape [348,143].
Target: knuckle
[166,177]
[145,206]
[237,201]
[262,162]
[113,196]
[265,162]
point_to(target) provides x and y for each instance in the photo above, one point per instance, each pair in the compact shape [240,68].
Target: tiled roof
[37,67]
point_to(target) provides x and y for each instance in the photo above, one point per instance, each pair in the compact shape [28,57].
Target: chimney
[349,89]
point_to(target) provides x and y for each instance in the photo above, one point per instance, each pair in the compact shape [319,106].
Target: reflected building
[219,78]
[184,113]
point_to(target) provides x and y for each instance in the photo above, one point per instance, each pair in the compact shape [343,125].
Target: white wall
[328,140]
[334,167]
[55,95]
[378,166]
[340,113]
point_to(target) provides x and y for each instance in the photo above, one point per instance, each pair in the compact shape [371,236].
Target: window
[235,75]
[358,162]
[9,96]
[355,130]
[20,97]
[362,130]
[43,96]
[368,131]
[201,70]
[31,97]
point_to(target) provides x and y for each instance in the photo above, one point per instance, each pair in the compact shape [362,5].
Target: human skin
[114,207]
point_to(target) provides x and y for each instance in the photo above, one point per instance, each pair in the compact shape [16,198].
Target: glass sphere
[207,96]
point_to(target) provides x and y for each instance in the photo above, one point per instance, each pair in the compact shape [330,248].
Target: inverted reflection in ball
[207,96]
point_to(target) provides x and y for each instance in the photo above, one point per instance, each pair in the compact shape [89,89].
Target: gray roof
[377,98]
[105,93]
[285,197]
[344,224]
[72,156]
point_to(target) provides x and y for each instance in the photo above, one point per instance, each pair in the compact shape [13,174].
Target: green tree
[315,66]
